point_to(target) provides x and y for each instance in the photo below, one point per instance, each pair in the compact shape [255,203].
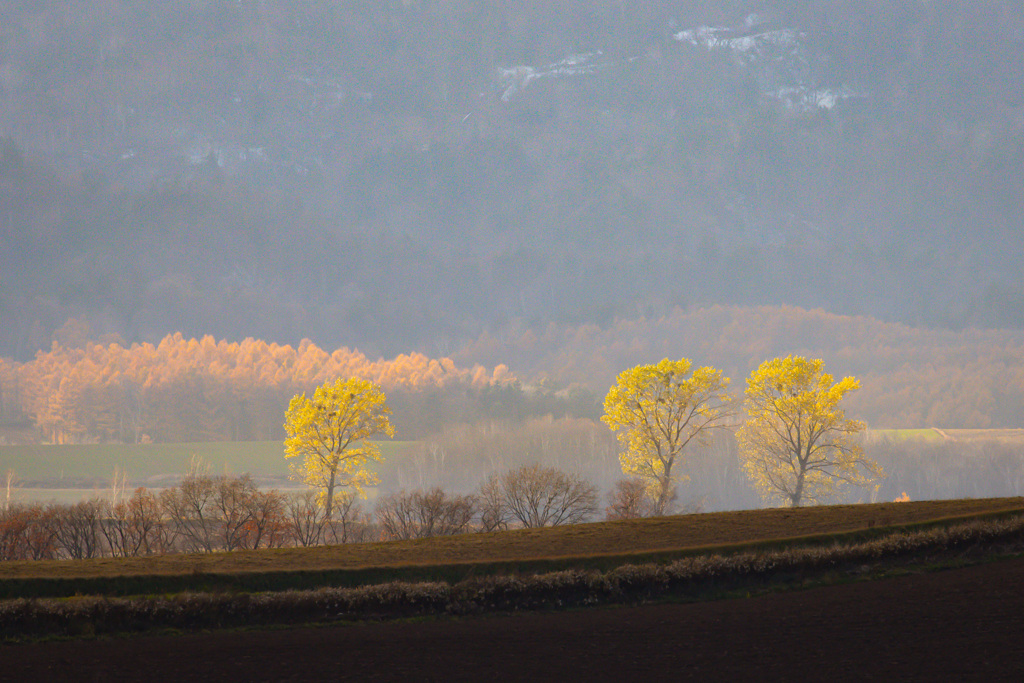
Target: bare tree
[10,480]
[134,527]
[539,496]
[420,514]
[630,499]
[306,518]
[14,523]
[231,504]
[77,528]
[118,484]
[227,513]
[40,532]
[349,518]
[494,514]
[190,509]
[267,523]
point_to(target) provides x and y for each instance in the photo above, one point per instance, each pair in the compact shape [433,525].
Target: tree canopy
[656,411]
[329,433]
[797,444]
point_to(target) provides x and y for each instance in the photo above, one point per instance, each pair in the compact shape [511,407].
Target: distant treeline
[208,390]
[213,390]
[910,376]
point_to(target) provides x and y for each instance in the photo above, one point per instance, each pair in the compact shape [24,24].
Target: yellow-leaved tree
[330,431]
[658,410]
[797,445]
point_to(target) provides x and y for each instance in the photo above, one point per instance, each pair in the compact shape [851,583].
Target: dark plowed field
[962,624]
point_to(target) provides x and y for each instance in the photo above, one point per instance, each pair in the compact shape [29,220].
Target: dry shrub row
[686,577]
[527,496]
[422,514]
[206,514]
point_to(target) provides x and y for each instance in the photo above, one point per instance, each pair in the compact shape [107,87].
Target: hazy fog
[408,175]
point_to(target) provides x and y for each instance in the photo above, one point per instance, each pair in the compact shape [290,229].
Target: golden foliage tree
[657,411]
[797,444]
[329,433]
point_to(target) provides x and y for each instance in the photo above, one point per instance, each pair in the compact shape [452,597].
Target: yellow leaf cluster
[797,445]
[329,433]
[656,411]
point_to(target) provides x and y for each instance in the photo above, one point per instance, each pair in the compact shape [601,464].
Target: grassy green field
[905,435]
[92,465]
[1005,436]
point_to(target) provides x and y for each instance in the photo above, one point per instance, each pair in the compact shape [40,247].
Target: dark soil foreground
[962,624]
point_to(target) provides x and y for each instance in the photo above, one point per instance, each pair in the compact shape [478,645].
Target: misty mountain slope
[407,175]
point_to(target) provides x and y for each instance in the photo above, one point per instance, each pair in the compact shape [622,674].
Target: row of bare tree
[528,496]
[202,514]
[223,513]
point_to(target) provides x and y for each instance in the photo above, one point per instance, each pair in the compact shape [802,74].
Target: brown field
[956,624]
[584,540]
[962,624]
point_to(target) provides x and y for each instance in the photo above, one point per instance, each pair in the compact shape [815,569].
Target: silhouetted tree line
[205,514]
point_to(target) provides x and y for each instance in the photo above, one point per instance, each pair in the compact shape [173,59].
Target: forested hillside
[411,175]
[910,376]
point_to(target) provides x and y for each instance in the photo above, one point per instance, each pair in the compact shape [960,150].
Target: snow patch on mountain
[514,79]
[750,45]
[778,57]
[805,99]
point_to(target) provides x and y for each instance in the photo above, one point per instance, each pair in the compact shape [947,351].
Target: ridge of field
[1006,436]
[924,434]
[594,540]
[938,435]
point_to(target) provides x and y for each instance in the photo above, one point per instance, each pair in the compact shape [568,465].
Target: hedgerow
[687,578]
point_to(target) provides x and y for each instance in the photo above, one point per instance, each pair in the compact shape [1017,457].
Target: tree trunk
[798,492]
[329,504]
[665,483]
